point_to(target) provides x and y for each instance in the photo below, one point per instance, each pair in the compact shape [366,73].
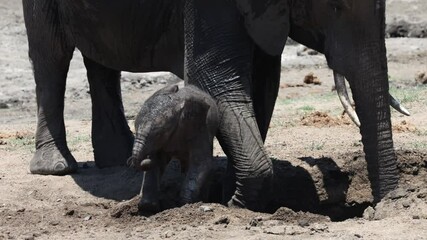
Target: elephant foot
[146,206]
[53,160]
[252,194]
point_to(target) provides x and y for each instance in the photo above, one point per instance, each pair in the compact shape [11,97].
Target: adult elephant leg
[266,82]
[111,137]
[50,53]
[219,56]
[241,141]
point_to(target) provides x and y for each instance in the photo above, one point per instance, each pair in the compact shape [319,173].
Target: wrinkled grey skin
[232,51]
[178,123]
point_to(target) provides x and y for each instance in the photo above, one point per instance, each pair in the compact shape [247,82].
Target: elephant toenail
[60,166]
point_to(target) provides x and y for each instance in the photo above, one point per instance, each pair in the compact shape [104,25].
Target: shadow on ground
[117,183]
[307,184]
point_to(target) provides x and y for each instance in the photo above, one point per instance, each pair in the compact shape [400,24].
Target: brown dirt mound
[16,135]
[302,218]
[312,79]
[322,119]
[404,126]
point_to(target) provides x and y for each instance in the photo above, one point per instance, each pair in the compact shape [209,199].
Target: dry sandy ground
[307,123]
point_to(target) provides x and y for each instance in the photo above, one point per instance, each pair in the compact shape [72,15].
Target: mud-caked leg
[150,190]
[50,52]
[111,137]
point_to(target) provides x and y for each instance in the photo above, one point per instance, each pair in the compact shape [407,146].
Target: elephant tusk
[344,98]
[396,105]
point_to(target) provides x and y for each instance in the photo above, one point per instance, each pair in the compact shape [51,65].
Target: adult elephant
[232,51]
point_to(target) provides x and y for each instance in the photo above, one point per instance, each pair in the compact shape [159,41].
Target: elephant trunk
[370,90]
[139,152]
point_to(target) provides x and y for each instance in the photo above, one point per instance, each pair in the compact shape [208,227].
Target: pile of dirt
[403,201]
[322,119]
[6,137]
[300,218]
[404,126]
[16,135]
[312,79]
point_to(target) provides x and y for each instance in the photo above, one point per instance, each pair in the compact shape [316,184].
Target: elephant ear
[267,22]
[193,115]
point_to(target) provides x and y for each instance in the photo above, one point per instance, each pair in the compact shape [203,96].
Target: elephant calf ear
[267,22]
[194,113]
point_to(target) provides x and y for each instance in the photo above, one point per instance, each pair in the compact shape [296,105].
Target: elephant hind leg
[111,137]
[51,53]
[266,82]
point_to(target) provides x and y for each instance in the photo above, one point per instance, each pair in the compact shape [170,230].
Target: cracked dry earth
[321,179]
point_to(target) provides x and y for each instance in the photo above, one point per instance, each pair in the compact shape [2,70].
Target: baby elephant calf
[179,123]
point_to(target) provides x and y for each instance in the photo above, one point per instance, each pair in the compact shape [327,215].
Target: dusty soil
[316,150]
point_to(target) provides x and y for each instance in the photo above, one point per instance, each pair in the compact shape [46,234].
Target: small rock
[406,204]
[3,142]
[69,213]
[416,217]
[303,223]
[9,217]
[358,235]
[88,217]
[421,78]
[58,200]
[205,208]
[422,195]
[222,220]
[276,230]
[253,223]
[319,227]
[54,223]
[369,213]
[21,210]
[3,105]
[398,193]
[29,238]
[168,234]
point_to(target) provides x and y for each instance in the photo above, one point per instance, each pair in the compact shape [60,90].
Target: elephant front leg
[50,52]
[199,166]
[149,202]
[219,58]
[111,137]
[150,190]
[242,142]
[52,156]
